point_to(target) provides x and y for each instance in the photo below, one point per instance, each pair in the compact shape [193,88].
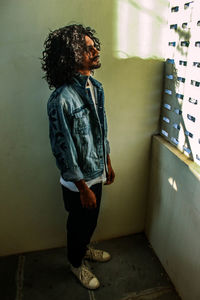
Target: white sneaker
[97,255]
[86,277]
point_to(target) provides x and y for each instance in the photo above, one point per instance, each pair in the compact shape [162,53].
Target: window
[180,114]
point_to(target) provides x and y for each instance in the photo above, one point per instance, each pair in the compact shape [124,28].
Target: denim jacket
[78,135]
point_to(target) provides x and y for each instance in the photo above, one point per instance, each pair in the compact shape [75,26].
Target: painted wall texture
[173,216]
[32,214]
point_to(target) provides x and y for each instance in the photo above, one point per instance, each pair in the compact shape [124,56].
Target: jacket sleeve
[62,143]
[106,129]
[107,147]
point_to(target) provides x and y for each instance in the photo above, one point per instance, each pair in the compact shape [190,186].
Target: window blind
[180,113]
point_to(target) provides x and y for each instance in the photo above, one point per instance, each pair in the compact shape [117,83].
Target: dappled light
[140,28]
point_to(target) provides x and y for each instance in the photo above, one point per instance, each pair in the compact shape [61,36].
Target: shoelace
[85,273]
[95,253]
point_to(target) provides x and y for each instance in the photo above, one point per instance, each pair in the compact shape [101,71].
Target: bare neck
[85,72]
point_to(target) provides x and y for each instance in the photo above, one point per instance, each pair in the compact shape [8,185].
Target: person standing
[78,136]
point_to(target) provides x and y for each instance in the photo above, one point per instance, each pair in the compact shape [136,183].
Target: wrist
[81,185]
[108,161]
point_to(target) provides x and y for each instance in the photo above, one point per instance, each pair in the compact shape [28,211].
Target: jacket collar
[81,81]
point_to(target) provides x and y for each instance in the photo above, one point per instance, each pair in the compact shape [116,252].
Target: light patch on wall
[173,184]
[141,27]
[145,25]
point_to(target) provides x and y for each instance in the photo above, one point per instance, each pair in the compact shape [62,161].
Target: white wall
[173,216]
[32,214]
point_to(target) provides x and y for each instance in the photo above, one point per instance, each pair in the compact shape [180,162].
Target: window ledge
[194,168]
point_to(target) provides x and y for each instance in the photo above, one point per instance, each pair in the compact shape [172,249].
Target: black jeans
[81,223]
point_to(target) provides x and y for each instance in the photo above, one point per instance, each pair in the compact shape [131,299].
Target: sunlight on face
[91,58]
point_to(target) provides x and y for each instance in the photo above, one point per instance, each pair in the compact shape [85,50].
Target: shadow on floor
[133,273]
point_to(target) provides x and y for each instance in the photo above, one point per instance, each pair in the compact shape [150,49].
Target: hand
[88,198]
[111,174]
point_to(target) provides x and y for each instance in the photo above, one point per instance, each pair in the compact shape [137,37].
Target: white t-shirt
[69,184]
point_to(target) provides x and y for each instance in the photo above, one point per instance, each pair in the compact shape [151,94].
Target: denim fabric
[77,133]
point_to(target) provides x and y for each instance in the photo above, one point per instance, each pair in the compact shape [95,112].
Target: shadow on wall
[136,75]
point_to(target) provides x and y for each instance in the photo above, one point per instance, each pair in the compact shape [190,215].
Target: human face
[90,58]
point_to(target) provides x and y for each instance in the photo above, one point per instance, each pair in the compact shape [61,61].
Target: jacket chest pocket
[81,124]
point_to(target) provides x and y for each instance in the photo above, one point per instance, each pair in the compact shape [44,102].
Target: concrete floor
[133,273]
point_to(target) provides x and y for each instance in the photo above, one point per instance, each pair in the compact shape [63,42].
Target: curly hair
[63,53]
